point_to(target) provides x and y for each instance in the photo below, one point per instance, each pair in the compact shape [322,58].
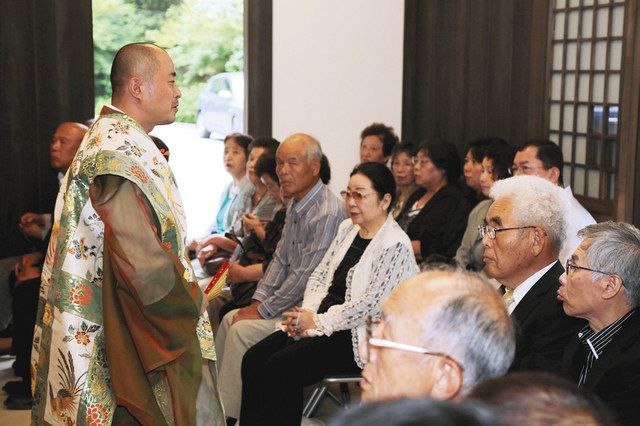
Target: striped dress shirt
[310,226]
[596,342]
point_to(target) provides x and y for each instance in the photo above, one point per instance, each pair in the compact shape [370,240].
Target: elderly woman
[368,257]
[495,166]
[402,169]
[435,215]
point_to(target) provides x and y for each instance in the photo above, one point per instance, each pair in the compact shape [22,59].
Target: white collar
[521,291]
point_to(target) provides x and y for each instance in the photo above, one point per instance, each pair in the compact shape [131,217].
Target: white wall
[337,67]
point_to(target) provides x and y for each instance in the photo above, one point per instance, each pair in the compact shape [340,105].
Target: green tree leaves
[203,37]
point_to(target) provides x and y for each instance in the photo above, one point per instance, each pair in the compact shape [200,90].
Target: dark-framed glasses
[356,195]
[390,344]
[491,232]
[569,266]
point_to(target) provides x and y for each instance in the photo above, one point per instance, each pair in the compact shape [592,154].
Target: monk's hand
[248,312]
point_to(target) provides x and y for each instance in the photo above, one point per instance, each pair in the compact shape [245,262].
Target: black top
[542,327]
[439,225]
[615,375]
[338,289]
[272,233]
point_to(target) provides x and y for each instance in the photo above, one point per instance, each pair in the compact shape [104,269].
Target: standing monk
[119,336]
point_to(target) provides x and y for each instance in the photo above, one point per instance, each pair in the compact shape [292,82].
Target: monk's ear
[135,87]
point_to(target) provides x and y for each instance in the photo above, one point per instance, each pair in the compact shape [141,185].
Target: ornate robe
[118,333]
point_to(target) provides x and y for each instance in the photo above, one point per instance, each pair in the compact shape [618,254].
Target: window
[584,96]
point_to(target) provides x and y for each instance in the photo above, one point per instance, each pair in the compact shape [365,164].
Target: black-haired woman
[435,215]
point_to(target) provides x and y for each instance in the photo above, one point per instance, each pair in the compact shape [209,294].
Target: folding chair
[322,389]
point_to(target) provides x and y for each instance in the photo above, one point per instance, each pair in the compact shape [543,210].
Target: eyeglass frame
[568,264]
[415,160]
[346,194]
[512,170]
[390,344]
[484,229]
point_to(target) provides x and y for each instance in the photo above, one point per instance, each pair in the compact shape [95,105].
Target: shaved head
[134,60]
[65,143]
[308,144]
[143,80]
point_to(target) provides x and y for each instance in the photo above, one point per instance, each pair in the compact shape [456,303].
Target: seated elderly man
[524,231]
[602,285]
[543,158]
[311,223]
[440,333]
[26,279]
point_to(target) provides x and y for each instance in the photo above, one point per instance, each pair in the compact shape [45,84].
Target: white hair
[614,247]
[536,202]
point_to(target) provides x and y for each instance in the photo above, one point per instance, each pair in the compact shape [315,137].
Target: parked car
[221,105]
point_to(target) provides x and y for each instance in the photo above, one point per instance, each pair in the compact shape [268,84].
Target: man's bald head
[134,60]
[298,161]
[447,312]
[308,144]
[65,143]
[144,84]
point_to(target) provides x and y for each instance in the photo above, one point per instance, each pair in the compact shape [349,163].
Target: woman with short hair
[495,166]
[435,215]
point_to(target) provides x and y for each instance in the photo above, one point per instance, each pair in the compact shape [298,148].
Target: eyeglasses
[491,232]
[384,343]
[568,266]
[422,161]
[524,169]
[357,196]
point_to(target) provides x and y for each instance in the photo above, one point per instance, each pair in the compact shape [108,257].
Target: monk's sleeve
[150,311]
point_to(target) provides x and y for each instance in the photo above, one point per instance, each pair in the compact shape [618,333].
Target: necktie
[508,297]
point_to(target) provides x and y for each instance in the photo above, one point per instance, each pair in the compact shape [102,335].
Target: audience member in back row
[440,334]
[368,257]
[376,143]
[540,399]
[311,224]
[543,158]
[495,166]
[602,285]
[525,228]
[402,169]
[472,168]
[236,151]
[435,215]
[256,201]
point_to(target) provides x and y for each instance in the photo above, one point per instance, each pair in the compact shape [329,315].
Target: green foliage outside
[203,37]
